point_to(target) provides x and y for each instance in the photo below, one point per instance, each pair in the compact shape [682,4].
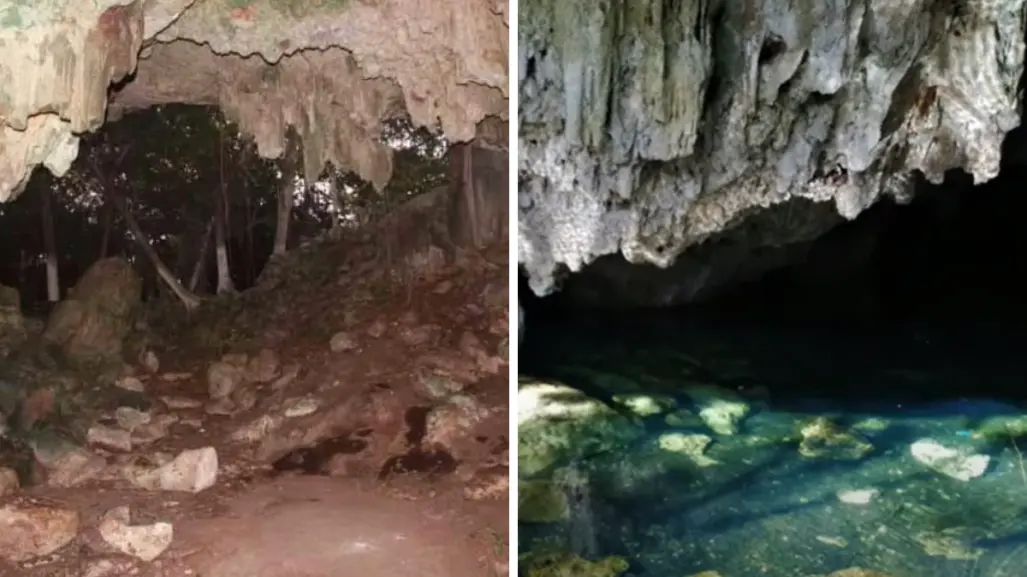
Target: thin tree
[53,285]
[110,191]
[288,168]
[220,198]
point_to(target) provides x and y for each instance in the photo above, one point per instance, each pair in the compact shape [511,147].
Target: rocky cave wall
[333,70]
[649,127]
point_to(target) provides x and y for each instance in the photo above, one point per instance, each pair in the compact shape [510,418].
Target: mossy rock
[566,565]
[557,423]
[541,502]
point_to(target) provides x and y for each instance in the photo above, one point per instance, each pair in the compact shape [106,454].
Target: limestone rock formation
[91,324]
[647,128]
[333,70]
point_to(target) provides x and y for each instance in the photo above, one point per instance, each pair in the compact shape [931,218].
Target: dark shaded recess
[942,289]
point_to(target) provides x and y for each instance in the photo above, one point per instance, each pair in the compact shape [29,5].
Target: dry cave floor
[643,458]
[361,428]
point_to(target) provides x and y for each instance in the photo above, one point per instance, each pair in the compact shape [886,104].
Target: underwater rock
[565,565]
[558,423]
[960,464]
[721,409]
[646,405]
[541,502]
[691,445]
[822,438]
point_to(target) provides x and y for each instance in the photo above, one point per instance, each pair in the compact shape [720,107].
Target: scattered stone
[155,429]
[646,405]
[222,378]
[264,367]
[342,342]
[175,377]
[191,471]
[960,464]
[180,403]
[30,531]
[454,420]
[857,496]
[244,399]
[301,406]
[840,542]
[109,438]
[691,445]
[150,361]
[377,328]
[492,483]
[439,386]
[74,468]
[443,287]
[108,568]
[144,542]
[130,383]
[129,418]
[221,407]
[414,336]
[289,374]
[822,438]
[955,543]
[8,481]
[257,429]
[721,410]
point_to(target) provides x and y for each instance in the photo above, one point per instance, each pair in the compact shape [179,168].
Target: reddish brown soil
[329,509]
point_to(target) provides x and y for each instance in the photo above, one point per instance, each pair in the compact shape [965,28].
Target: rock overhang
[332,70]
[646,132]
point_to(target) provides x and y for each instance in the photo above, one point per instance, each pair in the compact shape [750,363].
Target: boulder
[91,324]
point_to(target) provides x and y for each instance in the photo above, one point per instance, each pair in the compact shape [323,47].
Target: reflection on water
[752,451]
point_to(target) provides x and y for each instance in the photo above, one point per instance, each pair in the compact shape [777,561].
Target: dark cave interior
[941,290]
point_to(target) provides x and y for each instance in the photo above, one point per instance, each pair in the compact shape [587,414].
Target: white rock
[857,496]
[130,383]
[31,531]
[144,542]
[150,361]
[192,471]
[301,407]
[958,464]
[129,418]
[110,439]
[222,379]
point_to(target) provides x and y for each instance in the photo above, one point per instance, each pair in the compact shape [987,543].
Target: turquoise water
[754,504]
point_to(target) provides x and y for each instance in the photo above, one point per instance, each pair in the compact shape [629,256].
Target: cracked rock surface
[647,128]
[333,70]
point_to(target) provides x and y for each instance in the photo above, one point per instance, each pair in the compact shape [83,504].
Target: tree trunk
[289,166]
[221,246]
[108,224]
[201,260]
[53,285]
[333,192]
[190,300]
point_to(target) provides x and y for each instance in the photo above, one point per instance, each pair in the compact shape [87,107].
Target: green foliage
[169,162]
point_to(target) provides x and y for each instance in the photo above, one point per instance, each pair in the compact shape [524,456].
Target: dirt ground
[365,432]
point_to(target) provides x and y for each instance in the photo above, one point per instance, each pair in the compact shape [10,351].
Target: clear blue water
[764,509]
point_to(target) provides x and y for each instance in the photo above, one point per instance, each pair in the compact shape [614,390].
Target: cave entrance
[857,399]
[174,290]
